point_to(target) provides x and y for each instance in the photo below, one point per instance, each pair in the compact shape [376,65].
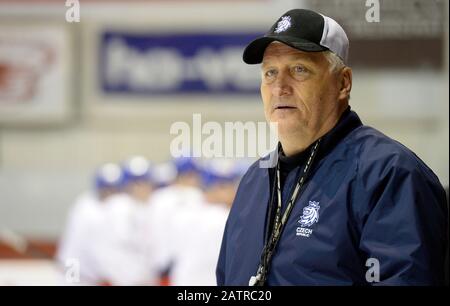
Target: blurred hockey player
[166,203]
[197,232]
[164,174]
[83,228]
[127,243]
[138,179]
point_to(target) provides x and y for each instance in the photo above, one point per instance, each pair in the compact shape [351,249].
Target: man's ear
[345,83]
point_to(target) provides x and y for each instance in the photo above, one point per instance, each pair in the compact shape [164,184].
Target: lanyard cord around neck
[280,221]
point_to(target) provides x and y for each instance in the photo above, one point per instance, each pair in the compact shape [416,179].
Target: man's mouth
[283,106]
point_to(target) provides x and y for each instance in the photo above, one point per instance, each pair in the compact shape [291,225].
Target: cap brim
[254,52]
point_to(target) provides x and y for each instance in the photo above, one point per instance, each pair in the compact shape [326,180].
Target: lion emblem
[310,214]
[283,24]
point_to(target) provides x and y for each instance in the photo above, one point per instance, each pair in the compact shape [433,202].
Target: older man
[345,204]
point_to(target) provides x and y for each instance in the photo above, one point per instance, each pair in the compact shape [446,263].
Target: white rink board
[29,273]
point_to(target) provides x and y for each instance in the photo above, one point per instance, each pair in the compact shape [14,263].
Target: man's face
[140,190]
[298,89]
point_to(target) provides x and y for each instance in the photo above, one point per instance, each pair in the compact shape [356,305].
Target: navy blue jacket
[369,197]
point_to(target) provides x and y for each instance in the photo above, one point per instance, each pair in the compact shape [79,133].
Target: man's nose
[282,85]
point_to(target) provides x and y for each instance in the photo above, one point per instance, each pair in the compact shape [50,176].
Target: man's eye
[270,73]
[299,69]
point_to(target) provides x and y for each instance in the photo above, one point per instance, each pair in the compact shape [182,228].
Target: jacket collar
[348,121]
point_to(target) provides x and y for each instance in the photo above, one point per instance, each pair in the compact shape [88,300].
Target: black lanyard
[280,220]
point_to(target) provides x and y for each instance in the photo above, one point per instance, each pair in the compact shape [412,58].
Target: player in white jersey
[167,202]
[164,174]
[197,232]
[128,243]
[77,248]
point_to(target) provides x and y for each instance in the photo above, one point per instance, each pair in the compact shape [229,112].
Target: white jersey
[196,241]
[108,239]
[75,247]
[127,258]
[165,204]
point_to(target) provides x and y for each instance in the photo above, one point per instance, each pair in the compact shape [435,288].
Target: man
[138,179]
[197,232]
[345,204]
[165,174]
[125,249]
[165,203]
[85,221]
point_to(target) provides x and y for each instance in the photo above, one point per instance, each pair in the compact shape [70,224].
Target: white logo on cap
[283,24]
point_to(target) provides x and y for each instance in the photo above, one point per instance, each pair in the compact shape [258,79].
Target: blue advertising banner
[168,64]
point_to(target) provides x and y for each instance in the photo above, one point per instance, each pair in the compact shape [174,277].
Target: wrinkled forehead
[277,50]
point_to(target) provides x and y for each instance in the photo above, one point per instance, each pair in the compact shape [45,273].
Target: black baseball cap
[304,30]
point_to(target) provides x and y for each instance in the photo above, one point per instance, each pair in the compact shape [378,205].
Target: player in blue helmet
[188,172]
[138,180]
[124,249]
[166,203]
[219,180]
[164,174]
[84,225]
[197,232]
[108,180]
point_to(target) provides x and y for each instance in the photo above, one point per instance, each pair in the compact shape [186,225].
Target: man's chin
[287,127]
